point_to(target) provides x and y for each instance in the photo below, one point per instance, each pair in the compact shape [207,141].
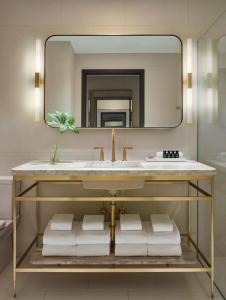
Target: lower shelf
[187,258]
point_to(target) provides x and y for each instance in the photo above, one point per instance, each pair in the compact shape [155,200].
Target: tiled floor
[157,286]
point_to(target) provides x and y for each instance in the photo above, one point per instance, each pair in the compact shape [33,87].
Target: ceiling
[186,18]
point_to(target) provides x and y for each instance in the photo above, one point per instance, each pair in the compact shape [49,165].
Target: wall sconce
[37,79]
[189,106]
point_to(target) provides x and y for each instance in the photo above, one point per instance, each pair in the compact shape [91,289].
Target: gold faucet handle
[101,152]
[124,153]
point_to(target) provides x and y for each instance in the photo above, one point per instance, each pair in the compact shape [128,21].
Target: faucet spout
[113,145]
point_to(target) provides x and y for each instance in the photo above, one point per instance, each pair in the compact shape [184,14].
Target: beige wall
[21,22]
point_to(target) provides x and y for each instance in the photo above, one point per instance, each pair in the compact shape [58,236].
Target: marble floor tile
[88,295]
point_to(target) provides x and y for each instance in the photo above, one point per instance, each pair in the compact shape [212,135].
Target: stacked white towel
[92,242]
[59,236]
[130,242]
[77,241]
[93,222]
[58,250]
[163,242]
[87,237]
[130,222]
[61,222]
[161,222]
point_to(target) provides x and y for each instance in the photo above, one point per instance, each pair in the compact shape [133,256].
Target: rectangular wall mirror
[123,81]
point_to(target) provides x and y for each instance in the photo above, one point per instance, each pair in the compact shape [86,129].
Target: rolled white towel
[130,222]
[164,237]
[2,224]
[93,222]
[131,249]
[88,237]
[60,237]
[161,222]
[93,250]
[58,250]
[164,250]
[61,222]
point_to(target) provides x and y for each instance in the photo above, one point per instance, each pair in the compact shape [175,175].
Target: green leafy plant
[63,122]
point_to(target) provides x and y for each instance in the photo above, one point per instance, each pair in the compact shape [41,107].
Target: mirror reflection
[115,81]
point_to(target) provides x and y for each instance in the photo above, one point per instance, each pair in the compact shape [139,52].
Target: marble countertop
[106,168]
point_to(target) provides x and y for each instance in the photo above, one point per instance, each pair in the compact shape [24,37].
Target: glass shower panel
[212,138]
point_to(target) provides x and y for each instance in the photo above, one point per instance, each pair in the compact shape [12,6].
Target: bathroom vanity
[115,176]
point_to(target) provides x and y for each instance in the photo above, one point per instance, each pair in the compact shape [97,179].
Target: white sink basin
[115,164]
[113,185]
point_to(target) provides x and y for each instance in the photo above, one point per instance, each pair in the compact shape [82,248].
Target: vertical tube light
[37,79]
[189,107]
[210,90]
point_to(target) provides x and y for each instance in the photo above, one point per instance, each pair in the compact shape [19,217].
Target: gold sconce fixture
[38,80]
[189,81]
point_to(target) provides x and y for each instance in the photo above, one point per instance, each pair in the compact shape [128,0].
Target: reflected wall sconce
[189,100]
[38,80]
[211,99]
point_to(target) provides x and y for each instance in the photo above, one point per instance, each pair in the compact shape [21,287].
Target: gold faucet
[101,156]
[124,153]
[113,145]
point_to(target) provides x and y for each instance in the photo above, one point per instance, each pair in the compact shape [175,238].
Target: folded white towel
[85,237]
[79,250]
[60,237]
[130,236]
[61,222]
[2,224]
[163,238]
[164,250]
[131,249]
[93,250]
[93,222]
[130,222]
[161,222]
[58,250]
[159,154]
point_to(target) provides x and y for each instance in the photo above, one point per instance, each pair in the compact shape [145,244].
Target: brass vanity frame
[201,195]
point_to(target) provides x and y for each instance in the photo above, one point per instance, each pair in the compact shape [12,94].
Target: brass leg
[14,236]
[212,234]
[189,214]
[37,219]
[113,205]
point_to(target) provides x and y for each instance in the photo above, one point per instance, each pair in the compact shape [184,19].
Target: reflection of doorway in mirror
[113,119]
[120,92]
[114,113]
